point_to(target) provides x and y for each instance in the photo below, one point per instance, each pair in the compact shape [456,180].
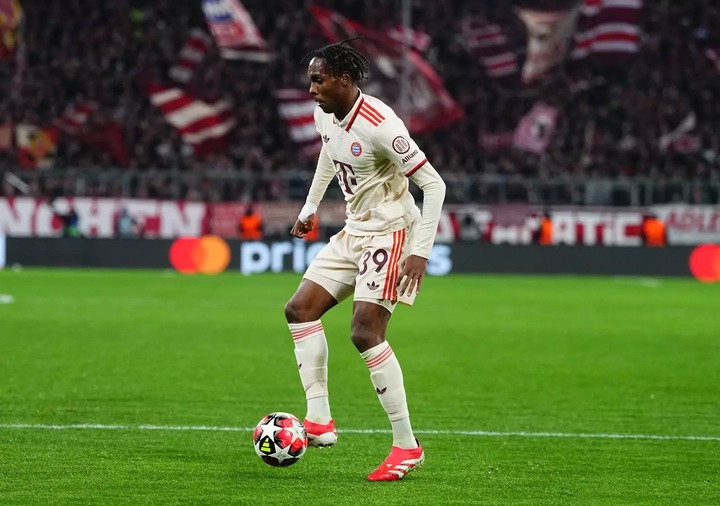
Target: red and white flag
[548,35]
[190,56]
[535,130]
[74,118]
[202,125]
[35,146]
[429,105]
[683,138]
[608,27]
[488,43]
[296,108]
[234,31]
[419,41]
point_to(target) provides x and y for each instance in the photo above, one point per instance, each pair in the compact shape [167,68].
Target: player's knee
[365,334]
[296,311]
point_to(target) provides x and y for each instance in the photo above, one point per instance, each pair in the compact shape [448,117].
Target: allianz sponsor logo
[407,158]
[259,257]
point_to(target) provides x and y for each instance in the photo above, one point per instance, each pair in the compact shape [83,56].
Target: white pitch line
[476,433]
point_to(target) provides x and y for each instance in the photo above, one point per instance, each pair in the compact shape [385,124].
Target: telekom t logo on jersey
[346,176]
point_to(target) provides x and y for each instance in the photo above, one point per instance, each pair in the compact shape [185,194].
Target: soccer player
[379,256]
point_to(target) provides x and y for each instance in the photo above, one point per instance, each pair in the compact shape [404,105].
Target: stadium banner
[517,224]
[32,217]
[688,225]
[495,224]
[208,255]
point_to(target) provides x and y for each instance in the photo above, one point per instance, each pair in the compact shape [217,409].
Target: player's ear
[345,79]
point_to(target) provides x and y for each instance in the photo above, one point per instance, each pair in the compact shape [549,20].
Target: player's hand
[411,274]
[301,229]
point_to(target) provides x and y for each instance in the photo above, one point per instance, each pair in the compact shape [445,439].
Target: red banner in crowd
[487,42]
[73,119]
[202,125]
[296,107]
[608,28]
[191,55]
[234,31]
[430,105]
[536,129]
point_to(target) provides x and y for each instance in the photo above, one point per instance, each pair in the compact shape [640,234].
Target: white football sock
[311,352]
[387,378]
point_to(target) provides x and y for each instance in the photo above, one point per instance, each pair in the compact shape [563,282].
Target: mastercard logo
[705,263]
[209,254]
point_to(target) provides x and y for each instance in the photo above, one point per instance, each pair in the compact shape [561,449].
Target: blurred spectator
[543,235]
[125,225]
[70,223]
[250,224]
[653,231]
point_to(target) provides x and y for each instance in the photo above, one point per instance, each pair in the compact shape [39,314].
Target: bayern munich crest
[356,149]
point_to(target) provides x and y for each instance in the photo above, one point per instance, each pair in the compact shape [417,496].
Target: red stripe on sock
[379,359]
[298,334]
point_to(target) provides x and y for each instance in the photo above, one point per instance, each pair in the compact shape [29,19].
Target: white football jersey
[372,155]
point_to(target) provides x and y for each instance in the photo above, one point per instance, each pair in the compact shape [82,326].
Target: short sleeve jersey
[372,155]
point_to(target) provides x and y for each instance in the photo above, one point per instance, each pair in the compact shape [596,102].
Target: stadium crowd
[610,122]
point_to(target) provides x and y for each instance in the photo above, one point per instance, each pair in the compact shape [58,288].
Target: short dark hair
[340,58]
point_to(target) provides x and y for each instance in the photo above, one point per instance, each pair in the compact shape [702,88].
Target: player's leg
[375,299]
[369,326]
[316,294]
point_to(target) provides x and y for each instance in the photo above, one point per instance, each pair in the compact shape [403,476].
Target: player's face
[326,89]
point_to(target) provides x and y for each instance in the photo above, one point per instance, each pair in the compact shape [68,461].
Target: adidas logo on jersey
[373,286]
[325,138]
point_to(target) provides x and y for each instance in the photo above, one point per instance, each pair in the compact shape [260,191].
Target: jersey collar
[349,119]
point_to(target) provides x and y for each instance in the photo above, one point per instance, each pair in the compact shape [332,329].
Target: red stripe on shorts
[391,277]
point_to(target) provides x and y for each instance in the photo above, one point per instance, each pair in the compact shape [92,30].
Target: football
[280,439]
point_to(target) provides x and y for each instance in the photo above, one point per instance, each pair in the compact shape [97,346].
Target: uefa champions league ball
[280,439]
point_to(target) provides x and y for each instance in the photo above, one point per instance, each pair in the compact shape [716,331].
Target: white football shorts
[367,266]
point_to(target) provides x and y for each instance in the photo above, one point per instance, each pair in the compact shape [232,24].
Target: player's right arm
[324,173]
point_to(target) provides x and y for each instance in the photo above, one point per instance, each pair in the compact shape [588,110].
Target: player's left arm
[395,142]
[413,268]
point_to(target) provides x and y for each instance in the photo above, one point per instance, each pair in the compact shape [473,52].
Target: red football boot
[398,464]
[320,434]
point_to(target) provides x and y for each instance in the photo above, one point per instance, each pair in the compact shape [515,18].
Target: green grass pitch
[137,387]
